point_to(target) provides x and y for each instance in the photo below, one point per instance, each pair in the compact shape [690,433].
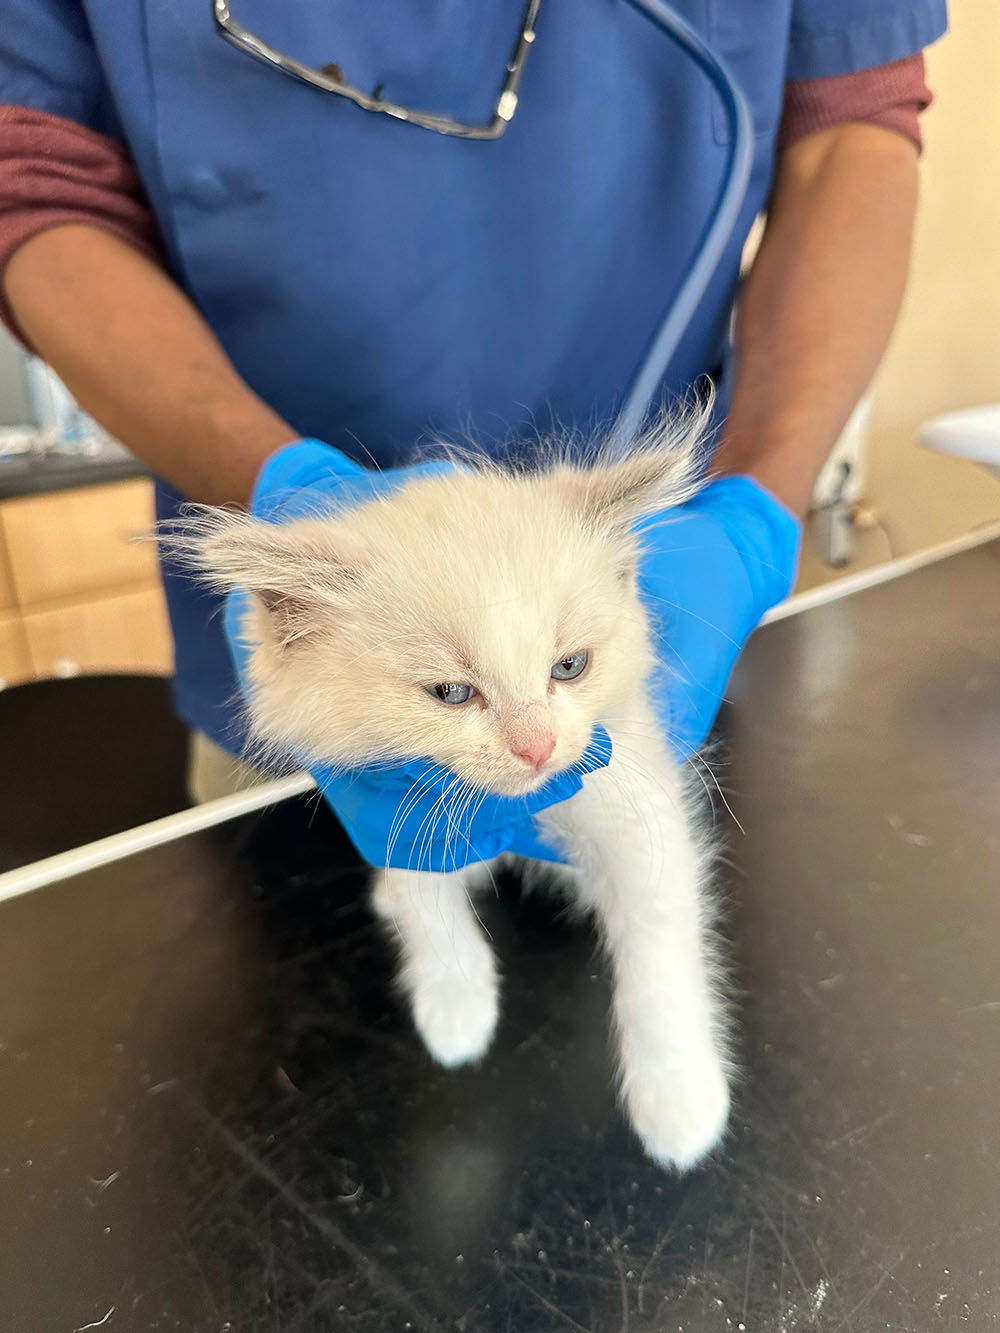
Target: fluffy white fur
[488,576]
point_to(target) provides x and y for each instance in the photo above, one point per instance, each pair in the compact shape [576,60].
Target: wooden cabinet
[79,586]
[82,541]
[15,659]
[126,631]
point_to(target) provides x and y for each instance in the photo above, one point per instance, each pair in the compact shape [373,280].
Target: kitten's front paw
[456,1017]
[680,1118]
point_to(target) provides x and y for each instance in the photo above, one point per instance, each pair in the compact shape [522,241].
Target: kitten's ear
[294,569]
[659,470]
[618,493]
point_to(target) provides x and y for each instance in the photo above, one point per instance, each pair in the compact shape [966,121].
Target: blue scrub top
[379,284]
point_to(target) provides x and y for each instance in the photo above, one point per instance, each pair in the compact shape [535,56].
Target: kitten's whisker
[376,466]
[632,765]
[430,825]
[399,818]
[419,788]
[708,790]
[685,676]
[419,841]
[442,811]
[668,521]
[475,911]
[613,775]
[452,802]
[453,816]
[676,606]
[693,758]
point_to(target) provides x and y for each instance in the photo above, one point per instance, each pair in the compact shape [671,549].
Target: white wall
[946,350]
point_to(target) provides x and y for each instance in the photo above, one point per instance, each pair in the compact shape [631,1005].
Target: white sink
[973,433]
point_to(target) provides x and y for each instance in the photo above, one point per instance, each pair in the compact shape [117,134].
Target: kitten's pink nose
[537,749]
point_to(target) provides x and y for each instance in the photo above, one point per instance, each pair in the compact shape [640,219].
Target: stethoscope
[718,228]
[719,225]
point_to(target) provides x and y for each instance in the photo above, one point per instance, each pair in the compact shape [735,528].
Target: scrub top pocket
[755,54]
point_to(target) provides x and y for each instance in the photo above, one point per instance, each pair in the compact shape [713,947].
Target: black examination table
[214,1117]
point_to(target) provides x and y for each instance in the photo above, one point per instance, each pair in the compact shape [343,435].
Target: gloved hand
[374,803]
[711,568]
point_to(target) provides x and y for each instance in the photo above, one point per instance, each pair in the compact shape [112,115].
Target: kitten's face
[486,622]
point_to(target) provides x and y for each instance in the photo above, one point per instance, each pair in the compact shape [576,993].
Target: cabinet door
[81,541]
[124,632]
[15,660]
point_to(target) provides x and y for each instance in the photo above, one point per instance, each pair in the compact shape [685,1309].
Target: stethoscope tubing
[644,390]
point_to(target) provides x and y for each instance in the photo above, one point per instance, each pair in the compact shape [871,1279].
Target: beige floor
[945,353]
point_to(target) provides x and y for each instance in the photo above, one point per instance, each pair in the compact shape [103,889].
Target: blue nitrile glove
[373,803]
[710,570]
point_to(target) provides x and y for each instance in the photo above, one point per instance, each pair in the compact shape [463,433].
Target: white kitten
[480,581]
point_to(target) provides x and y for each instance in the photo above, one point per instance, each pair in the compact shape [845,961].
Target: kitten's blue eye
[570,667]
[451,694]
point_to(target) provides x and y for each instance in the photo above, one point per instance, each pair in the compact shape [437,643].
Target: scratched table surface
[215,1117]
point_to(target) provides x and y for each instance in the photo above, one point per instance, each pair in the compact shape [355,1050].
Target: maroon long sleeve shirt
[54,171]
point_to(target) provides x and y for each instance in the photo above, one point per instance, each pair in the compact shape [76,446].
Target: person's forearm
[819,303]
[140,359]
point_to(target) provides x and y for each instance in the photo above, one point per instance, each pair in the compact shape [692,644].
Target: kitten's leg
[446,966]
[642,874]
